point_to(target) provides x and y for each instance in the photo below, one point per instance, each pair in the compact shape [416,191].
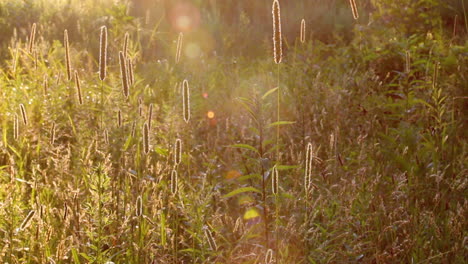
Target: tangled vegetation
[245,131]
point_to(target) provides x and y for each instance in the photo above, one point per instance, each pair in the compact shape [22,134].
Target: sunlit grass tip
[186,100]
[274,180]
[123,74]
[210,239]
[146,139]
[32,38]
[103,53]
[303,30]
[67,54]
[78,88]
[354,9]
[139,206]
[174,182]
[24,114]
[277,38]
[308,167]
[179,47]
[177,152]
[27,220]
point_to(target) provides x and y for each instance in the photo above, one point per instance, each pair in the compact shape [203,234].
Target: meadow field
[233,131]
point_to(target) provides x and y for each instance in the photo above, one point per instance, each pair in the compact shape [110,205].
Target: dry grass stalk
[119,118]
[32,37]
[210,239]
[15,59]
[133,129]
[16,127]
[28,219]
[146,146]
[35,56]
[103,53]
[179,47]
[52,134]
[125,45]
[150,115]
[277,39]
[354,9]
[78,88]
[174,181]
[178,152]
[186,100]
[45,84]
[269,256]
[275,180]
[308,167]
[131,80]
[23,114]
[123,74]
[408,61]
[106,136]
[303,30]
[67,54]
[139,207]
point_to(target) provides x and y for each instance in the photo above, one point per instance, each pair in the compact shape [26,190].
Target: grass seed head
[23,114]
[103,53]
[186,101]
[277,39]
[354,9]
[123,74]
[303,30]
[146,146]
[67,54]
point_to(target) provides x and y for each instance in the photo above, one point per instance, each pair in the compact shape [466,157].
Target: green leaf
[281,123]
[269,92]
[241,190]
[75,256]
[244,146]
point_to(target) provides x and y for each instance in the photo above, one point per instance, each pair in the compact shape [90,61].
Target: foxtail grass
[146,144]
[177,152]
[45,84]
[139,207]
[179,47]
[32,38]
[125,45]
[106,136]
[123,74]
[27,220]
[103,53]
[24,114]
[52,134]
[186,101]
[150,116]
[303,31]
[78,88]
[15,127]
[407,62]
[210,239]
[269,256]
[277,39]
[67,54]
[354,9]
[131,79]
[119,118]
[274,180]
[308,166]
[174,181]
